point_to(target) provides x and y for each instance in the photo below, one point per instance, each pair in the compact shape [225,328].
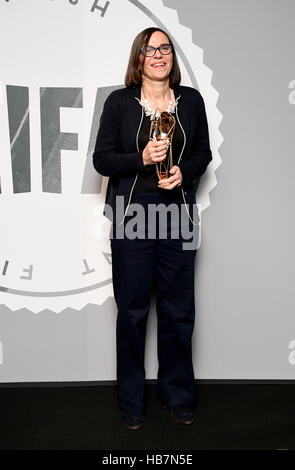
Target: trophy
[162,127]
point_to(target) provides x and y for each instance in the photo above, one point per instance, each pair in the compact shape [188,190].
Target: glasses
[150,51]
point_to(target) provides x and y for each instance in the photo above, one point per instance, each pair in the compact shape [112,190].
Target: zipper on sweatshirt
[131,191]
[180,156]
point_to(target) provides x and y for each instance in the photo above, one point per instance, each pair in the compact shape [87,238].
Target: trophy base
[162,175]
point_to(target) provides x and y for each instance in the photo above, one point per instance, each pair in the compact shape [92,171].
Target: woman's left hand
[172,181]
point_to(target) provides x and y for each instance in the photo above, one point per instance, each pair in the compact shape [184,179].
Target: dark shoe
[181,414]
[131,421]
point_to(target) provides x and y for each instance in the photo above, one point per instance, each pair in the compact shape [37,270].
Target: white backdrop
[58,62]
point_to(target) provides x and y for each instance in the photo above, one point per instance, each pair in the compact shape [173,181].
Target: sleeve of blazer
[106,159]
[201,153]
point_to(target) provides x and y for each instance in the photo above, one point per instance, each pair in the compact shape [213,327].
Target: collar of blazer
[137,91]
[180,113]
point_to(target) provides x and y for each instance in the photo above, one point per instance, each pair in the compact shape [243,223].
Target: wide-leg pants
[138,265]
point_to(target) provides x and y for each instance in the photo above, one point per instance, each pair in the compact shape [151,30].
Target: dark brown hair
[133,75]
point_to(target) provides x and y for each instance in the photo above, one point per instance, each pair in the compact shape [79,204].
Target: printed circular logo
[54,239]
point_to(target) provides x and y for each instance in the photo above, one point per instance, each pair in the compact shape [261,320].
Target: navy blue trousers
[138,266]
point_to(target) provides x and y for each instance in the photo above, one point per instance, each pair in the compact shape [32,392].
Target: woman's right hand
[155,151]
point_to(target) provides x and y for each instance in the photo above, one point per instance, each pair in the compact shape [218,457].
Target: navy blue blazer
[116,153]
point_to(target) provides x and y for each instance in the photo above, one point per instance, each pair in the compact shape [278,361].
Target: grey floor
[228,416]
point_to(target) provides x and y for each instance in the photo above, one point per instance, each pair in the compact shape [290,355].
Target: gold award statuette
[162,127]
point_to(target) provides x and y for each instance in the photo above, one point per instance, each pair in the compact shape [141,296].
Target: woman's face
[148,64]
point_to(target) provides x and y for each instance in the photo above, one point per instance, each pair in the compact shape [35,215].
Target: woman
[125,153]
